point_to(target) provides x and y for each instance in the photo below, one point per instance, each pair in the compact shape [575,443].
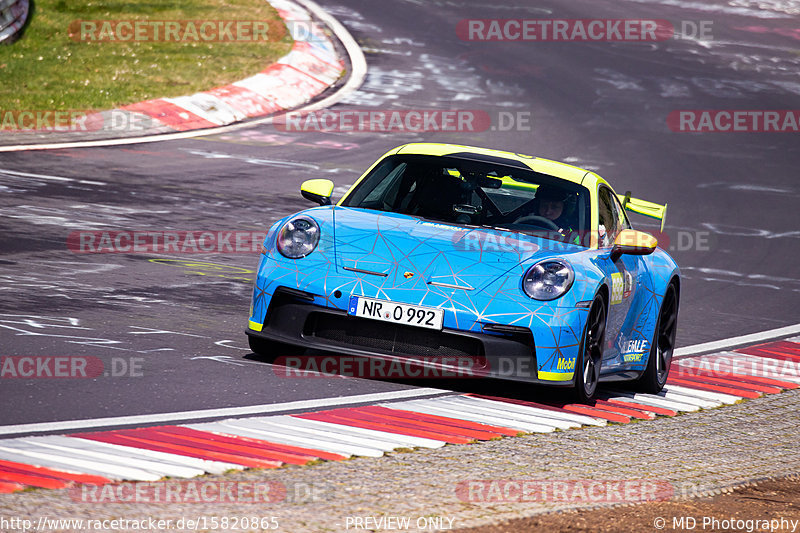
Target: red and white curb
[310,68]
[183,451]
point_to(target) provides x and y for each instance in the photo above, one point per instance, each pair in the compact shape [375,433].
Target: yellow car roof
[537,164]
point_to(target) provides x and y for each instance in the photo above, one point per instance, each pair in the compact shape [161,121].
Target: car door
[622,350]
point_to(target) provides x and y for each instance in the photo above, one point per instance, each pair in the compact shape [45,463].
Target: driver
[552,203]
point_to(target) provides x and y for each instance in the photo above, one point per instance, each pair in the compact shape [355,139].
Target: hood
[409,249]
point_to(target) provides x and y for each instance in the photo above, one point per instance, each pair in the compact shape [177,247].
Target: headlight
[548,279]
[298,237]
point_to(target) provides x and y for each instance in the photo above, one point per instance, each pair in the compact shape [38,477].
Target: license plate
[410,315]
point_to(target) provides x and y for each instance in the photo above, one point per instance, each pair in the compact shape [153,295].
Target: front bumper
[504,352]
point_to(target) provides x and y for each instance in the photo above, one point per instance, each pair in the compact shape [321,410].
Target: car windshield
[462,191]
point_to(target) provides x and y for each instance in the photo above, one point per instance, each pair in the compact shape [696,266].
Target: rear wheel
[587,369]
[663,345]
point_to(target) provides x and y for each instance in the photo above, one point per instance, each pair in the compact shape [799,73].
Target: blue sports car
[527,269]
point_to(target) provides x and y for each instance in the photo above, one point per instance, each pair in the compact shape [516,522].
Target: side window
[386,190]
[622,218]
[373,180]
[608,217]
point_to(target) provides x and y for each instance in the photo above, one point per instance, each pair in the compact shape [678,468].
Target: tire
[268,350]
[663,344]
[590,356]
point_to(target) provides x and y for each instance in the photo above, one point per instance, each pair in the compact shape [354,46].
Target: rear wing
[643,207]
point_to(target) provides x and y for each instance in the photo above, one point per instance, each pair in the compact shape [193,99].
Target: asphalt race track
[169,327]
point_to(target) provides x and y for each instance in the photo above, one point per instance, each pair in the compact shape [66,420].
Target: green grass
[47,70]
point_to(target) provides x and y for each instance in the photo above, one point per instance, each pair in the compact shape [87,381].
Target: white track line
[216,413]
[47,177]
[736,341]
[358,72]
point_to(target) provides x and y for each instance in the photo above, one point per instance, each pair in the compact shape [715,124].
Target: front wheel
[587,371]
[660,358]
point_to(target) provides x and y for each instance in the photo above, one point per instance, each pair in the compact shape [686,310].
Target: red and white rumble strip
[149,454]
[310,68]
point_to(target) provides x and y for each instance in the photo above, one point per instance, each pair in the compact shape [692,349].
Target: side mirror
[632,242]
[318,191]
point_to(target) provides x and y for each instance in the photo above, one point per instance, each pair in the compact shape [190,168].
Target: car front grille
[390,338]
